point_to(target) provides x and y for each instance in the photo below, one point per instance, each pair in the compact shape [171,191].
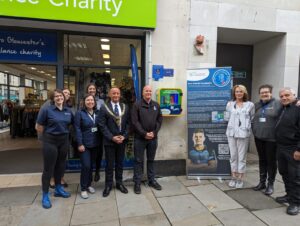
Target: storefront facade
[269,32]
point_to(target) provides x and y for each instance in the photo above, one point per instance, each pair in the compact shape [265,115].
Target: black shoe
[122,188]
[270,189]
[137,189]
[52,186]
[282,199]
[106,191]
[65,185]
[293,209]
[260,186]
[97,176]
[154,185]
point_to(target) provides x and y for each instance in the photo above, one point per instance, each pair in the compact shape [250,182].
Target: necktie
[116,110]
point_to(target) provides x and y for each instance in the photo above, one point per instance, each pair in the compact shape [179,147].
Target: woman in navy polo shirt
[87,134]
[53,122]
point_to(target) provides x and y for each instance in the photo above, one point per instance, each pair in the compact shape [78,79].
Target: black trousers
[140,145]
[99,154]
[114,156]
[87,158]
[55,149]
[289,169]
[267,159]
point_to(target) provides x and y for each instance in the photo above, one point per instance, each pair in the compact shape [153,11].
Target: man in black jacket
[114,125]
[287,132]
[146,120]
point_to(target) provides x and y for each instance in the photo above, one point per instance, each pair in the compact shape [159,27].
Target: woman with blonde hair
[239,113]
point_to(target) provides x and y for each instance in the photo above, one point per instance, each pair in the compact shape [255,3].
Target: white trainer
[84,194]
[91,190]
[239,184]
[232,183]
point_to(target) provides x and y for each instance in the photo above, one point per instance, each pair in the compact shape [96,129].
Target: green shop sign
[132,13]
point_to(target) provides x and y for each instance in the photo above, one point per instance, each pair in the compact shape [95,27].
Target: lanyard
[92,117]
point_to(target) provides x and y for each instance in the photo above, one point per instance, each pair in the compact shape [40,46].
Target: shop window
[28,82]
[14,80]
[3,78]
[99,51]
[14,93]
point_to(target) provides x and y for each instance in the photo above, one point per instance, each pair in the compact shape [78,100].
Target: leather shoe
[155,185]
[97,177]
[270,189]
[260,186]
[106,191]
[293,209]
[122,188]
[282,199]
[137,189]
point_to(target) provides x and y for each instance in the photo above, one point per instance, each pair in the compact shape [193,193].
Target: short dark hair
[53,94]
[89,85]
[86,96]
[265,86]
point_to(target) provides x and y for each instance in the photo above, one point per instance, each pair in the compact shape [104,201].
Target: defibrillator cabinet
[170,100]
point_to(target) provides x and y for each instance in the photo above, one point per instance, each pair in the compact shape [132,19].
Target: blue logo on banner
[28,46]
[221,78]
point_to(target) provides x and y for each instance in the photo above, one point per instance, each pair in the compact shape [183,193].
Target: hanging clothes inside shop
[23,121]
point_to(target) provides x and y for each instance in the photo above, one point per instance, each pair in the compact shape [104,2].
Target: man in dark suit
[114,125]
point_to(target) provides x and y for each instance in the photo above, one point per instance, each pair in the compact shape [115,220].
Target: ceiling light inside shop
[105,47]
[104,40]
[48,74]
[6,71]
[32,68]
[82,58]
[53,77]
[42,72]
[107,62]
[107,71]
[106,56]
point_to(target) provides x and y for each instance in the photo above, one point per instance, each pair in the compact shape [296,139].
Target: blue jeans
[87,158]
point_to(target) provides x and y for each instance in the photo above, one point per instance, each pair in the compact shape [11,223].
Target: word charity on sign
[112,6]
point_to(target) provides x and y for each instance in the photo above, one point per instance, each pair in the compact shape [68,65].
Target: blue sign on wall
[28,46]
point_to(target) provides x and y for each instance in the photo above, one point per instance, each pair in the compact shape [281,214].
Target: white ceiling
[244,37]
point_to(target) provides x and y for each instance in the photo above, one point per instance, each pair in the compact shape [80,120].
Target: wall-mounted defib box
[170,100]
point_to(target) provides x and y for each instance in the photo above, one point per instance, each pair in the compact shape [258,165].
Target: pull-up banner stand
[208,91]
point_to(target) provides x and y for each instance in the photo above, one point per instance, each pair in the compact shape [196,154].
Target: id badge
[262,120]
[94,129]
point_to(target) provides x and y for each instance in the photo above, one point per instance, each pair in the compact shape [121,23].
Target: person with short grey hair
[287,131]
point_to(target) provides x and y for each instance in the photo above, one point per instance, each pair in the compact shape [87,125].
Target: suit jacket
[109,126]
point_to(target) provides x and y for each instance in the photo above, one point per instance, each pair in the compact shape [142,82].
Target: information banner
[28,46]
[208,91]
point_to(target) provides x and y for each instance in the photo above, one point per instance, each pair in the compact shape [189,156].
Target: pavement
[182,202]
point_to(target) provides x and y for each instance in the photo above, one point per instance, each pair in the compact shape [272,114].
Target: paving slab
[132,205]
[109,223]
[213,198]
[202,219]
[12,215]
[222,184]
[181,207]
[238,217]
[253,200]
[18,195]
[186,182]
[148,220]
[277,217]
[96,212]
[60,213]
[170,187]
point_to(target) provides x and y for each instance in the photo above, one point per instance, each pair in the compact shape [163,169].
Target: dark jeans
[99,154]
[267,160]
[114,156]
[289,169]
[140,145]
[87,158]
[55,149]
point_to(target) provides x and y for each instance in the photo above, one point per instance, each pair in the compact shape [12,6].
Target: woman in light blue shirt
[239,113]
